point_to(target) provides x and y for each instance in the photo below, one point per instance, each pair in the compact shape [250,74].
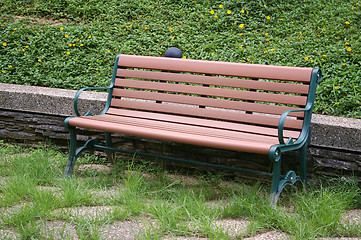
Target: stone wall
[29,115]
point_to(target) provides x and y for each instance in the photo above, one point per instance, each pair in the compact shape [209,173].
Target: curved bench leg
[279,183]
[72,152]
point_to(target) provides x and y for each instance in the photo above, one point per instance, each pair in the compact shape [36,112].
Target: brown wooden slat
[202,122]
[188,129]
[207,102]
[244,144]
[217,68]
[238,145]
[218,81]
[206,113]
[210,91]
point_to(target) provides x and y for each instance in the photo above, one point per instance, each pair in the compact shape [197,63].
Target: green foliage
[72,44]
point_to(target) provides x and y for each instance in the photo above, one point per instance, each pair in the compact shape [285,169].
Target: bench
[243,107]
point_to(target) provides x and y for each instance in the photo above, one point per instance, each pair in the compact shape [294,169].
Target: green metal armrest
[88,88]
[304,131]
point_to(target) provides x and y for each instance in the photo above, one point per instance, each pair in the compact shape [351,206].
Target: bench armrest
[77,97]
[282,122]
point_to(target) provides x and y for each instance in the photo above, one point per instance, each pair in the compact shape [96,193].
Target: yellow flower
[266,34]
[201,15]
[3,71]
[68,53]
[347,22]
[213,54]
[23,49]
[336,87]
[248,59]
[212,12]
[77,39]
[61,28]
[229,11]
[240,47]
[170,29]
[221,6]
[241,25]
[160,52]
[39,60]
[15,29]
[10,66]
[184,57]
[306,58]
[4,44]
[268,17]
[272,49]
[81,45]
[27,46]
[265,51]
[108,50]
[215,16]
[343,64]
[91,36]
[242,11]
[349,49]
[311,61]
[70,44]
[241,34]
[146,28]
[66,35]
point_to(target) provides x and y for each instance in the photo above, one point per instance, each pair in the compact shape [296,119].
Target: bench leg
[303,164]
[110,154]
[276,178]
[72,153]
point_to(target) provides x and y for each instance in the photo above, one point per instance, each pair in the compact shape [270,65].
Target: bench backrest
[236,92]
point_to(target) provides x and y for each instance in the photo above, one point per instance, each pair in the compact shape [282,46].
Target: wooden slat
[243,144]
[218,81]
[188,129]
[206,113]
[210,91]
[270,131]
[207,102]
[217,68]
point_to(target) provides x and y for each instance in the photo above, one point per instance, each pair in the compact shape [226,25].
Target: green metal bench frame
[275,151]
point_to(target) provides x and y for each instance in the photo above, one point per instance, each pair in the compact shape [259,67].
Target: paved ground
[132,229]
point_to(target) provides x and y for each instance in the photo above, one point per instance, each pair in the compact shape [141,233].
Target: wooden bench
[236,106]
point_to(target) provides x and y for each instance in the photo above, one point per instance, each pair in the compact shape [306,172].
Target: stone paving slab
[270,235]
[123,230]
[9,234]
[59,230]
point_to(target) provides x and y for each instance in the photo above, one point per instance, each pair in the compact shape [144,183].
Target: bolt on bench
[235,106]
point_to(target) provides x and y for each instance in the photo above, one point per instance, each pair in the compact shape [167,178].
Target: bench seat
[210,133]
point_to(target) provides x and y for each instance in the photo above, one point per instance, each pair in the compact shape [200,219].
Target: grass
[56,43]
[170,205]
